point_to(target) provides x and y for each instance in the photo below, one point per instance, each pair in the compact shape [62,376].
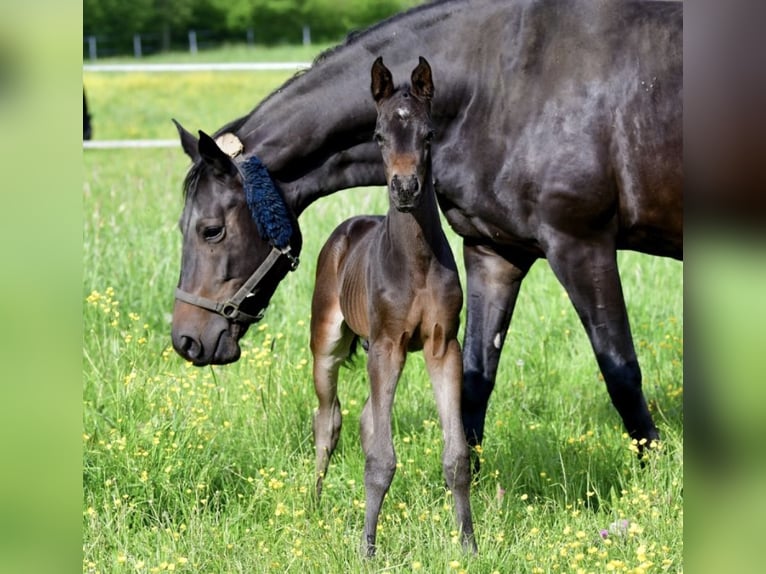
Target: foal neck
[419,229]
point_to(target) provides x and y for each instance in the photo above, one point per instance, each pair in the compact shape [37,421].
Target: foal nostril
[408,184]
[188,347]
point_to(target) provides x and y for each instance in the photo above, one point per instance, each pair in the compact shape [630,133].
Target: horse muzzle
[205,340]
[405,192]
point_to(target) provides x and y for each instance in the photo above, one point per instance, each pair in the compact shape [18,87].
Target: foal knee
[456,467]
[379,472]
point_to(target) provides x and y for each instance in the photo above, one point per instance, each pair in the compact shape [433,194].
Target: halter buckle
[230,310]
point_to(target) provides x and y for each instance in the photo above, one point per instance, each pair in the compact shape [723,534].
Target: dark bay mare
[392,281]
[558,135]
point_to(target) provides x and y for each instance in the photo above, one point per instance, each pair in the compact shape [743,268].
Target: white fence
[195,67]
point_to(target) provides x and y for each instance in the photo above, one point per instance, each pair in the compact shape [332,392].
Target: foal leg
[589,274]
[385,361]
[493,285]
[330,345]
[445,370]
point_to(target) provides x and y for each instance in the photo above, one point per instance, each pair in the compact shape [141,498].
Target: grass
[210,470]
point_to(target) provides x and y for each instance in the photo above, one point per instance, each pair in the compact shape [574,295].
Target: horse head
[404,131]
[239,241]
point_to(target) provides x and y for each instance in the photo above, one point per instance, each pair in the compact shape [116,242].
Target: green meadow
[210,470]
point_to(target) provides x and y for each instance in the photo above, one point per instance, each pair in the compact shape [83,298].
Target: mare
[392,281]
[558,135]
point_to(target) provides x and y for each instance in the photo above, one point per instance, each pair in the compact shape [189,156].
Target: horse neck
[315,133]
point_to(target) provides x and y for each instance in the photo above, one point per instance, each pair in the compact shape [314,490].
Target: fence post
[306,35]
[137,45]
[192,41]
[250,37]
[92,51]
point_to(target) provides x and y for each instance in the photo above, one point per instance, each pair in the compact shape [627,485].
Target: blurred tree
[116,18]
[172,14]
[273,21]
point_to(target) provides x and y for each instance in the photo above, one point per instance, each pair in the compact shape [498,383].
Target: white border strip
[121,144]
[200,67]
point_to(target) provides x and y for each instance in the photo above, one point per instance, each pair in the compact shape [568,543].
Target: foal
[393,282]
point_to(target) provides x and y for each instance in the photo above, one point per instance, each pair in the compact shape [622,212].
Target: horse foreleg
[385,361]
[493,285]
[590,276]
[445,371]
[330,345]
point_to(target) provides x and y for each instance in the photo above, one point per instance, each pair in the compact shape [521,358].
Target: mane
[352,39]
[192,178]
[356,36]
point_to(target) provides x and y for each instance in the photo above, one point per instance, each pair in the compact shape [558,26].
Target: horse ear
[382,81]
[214,156]
[188,142]
[422,81]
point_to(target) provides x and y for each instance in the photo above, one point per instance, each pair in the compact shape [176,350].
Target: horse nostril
[189,347]
[414,184]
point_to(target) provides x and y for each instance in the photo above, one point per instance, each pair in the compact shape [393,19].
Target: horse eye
[213,232]
[378,137]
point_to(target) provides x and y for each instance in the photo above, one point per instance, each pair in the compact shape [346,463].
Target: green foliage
[211,470]
[117,18]
[272,21]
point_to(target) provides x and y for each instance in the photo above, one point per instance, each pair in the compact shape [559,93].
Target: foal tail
[354,348]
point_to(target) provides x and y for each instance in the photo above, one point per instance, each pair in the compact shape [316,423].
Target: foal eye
[212,232]
[429,136]
[378,137]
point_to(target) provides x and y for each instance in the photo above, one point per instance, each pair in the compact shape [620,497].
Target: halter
[269,212]
[229,309]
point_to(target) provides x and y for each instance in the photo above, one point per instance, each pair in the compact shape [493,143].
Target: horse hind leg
[446,373]
[331,342]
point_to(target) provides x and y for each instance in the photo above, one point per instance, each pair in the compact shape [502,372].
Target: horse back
[582,126]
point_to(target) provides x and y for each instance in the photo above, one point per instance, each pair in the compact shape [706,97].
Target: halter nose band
[229,309]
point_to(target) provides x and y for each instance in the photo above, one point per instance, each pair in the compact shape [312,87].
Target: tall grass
[211,470]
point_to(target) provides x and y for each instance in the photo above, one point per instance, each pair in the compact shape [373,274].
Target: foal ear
[188,142]
[214,156]
[382,81]
[422,81]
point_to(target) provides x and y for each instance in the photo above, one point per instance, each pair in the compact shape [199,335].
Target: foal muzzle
[405,192]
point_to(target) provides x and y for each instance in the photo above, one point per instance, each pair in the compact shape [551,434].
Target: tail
[354,348]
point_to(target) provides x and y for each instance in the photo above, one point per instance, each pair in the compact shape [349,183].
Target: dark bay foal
[393,282]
